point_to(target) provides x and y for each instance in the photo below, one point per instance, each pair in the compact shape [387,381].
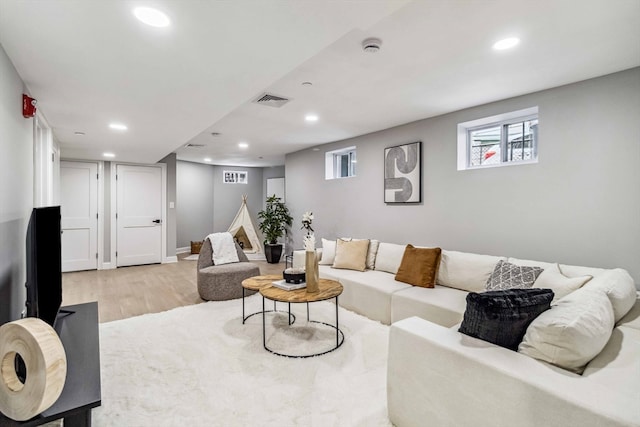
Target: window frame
[334,160]
[503,121]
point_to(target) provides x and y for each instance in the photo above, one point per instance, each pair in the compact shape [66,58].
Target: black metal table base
[292,317]
[339,334]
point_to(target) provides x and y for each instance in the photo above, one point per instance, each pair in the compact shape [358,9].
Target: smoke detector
[371,45]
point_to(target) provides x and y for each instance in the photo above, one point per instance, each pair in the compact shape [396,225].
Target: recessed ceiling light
[152,17]
[506,43]
[243,145]
[207,159]
[79,133]
[311,118]
[307,84]
[315,149]
[108,154]
[117,126]
[215,134]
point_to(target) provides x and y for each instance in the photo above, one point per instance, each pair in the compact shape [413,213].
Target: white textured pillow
[389,257]
[373,252]
[328,252]
[561,285]
[572,332]
[466,271]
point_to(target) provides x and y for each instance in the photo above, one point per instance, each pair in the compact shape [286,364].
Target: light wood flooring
[132,291]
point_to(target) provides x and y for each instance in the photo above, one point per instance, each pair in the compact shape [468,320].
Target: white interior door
[79,208]
[139,215]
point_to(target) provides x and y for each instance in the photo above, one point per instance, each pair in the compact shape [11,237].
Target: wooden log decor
[46,368]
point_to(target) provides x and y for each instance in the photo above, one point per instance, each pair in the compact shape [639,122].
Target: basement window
[340,163]
[504,139]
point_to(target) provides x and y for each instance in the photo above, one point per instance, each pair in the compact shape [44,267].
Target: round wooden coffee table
[328,289]
[256,283]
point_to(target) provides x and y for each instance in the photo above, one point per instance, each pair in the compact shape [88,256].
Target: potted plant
[273,220]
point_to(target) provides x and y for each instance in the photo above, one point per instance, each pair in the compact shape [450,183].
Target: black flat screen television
[44,264]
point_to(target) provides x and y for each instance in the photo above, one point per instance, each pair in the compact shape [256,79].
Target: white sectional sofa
[438,376]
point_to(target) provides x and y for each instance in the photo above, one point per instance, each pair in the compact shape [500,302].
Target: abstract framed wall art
[403,173]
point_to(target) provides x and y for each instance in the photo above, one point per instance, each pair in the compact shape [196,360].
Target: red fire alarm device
[28,106]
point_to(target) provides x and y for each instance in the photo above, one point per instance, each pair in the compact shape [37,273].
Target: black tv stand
[81,392]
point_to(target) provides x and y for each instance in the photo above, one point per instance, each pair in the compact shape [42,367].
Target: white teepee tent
[243,231]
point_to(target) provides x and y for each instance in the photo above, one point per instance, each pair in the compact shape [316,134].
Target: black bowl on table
[293,277]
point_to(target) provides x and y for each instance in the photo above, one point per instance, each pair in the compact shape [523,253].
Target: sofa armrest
[299,257]
[441,377]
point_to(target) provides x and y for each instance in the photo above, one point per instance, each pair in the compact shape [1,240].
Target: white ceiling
[90,62]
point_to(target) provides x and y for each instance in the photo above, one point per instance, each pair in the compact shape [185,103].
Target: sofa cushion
[510,276]
[632,318]
[351,255]
[442,305]
[369,293]
[328,252]
[466,271]
[573,332]
[502,317]
[389,257]
[419,266]
[617,366]
[619,288]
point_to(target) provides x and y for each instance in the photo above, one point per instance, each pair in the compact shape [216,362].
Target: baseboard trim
[170,259]
[183,250]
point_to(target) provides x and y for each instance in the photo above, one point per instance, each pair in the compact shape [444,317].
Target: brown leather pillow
[419,266]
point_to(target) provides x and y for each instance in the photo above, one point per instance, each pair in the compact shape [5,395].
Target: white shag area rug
[200,366]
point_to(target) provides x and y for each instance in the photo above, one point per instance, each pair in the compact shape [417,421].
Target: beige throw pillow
[351,255]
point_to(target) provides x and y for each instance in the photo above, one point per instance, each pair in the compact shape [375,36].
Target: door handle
[157,221]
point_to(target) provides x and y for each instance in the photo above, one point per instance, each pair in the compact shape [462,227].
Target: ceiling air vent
[194,145]
[271,100]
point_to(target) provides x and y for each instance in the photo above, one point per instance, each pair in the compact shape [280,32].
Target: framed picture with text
[403,173]
[234,177]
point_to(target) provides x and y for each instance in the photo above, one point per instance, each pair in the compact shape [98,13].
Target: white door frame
[44,162]
[114,204]
[101,264]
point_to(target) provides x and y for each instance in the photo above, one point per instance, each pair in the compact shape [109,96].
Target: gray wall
[206,205]
[194,204]
[228,197]
[16,189]
[171,219]
[580,204]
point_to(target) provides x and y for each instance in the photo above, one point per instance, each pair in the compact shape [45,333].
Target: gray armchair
[223,282]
